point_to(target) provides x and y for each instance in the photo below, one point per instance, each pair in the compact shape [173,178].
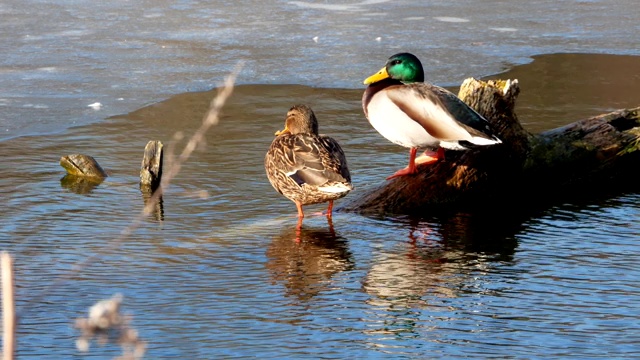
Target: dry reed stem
[8,307]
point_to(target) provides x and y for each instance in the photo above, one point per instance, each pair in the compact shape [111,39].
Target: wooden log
[151,167]
[82,165]
[603,147]
[150,177]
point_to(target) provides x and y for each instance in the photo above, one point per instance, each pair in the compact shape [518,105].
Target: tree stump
[604,147]
[151,167]
[151,176]
[82,165]
[83,173]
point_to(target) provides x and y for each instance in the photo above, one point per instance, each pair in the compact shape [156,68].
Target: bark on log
[151,175]
[83,173]
[151,167]
[524,166]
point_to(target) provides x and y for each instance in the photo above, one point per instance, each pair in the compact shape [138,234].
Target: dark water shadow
[492,229]
[305,259]
[490,233]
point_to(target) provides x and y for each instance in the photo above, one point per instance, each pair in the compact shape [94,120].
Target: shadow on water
[464,236]
[305,259]
[491,230]
[491,233]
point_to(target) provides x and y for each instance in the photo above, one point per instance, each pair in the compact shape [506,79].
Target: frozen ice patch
[451,19]
[334,7]
[35,106]
[153,15]
[503,29]
[337,7]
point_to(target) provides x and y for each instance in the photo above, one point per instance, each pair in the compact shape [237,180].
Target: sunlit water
[220,271]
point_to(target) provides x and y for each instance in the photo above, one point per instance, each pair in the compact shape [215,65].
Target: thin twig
[211,118]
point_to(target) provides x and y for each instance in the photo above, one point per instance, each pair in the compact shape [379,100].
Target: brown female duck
[304,166]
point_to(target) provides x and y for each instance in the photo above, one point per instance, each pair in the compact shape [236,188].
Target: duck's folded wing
[335,160]
[305,162]
[442,114]
[475,123]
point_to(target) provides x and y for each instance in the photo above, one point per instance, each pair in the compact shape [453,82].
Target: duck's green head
[404,67]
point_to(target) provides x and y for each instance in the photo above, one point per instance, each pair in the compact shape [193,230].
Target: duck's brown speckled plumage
[304,166]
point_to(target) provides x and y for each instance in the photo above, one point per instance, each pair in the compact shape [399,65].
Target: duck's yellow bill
[285,130]
[380,75]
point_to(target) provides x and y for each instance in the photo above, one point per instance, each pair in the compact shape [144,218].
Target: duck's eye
[395,62]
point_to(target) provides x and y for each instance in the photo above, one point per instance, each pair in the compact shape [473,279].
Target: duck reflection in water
[438,260]
[305,259]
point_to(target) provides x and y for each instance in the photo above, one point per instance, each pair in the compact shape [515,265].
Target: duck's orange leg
[409,170]
[330,209]
[300,212]
[429,157]
[298,229]
[300,217]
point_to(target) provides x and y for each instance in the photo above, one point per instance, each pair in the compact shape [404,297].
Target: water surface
[220,270]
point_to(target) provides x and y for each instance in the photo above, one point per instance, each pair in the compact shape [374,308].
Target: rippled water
[223,272]
[220,270]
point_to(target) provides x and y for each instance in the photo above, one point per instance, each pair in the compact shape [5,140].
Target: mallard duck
[411,113]
[305,167]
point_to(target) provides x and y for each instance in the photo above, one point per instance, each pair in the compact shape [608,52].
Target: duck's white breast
[395,125]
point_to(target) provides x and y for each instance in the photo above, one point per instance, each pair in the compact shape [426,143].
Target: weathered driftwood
[83,173]
[82,165]
[151,167]
[524,167]
[150,177]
